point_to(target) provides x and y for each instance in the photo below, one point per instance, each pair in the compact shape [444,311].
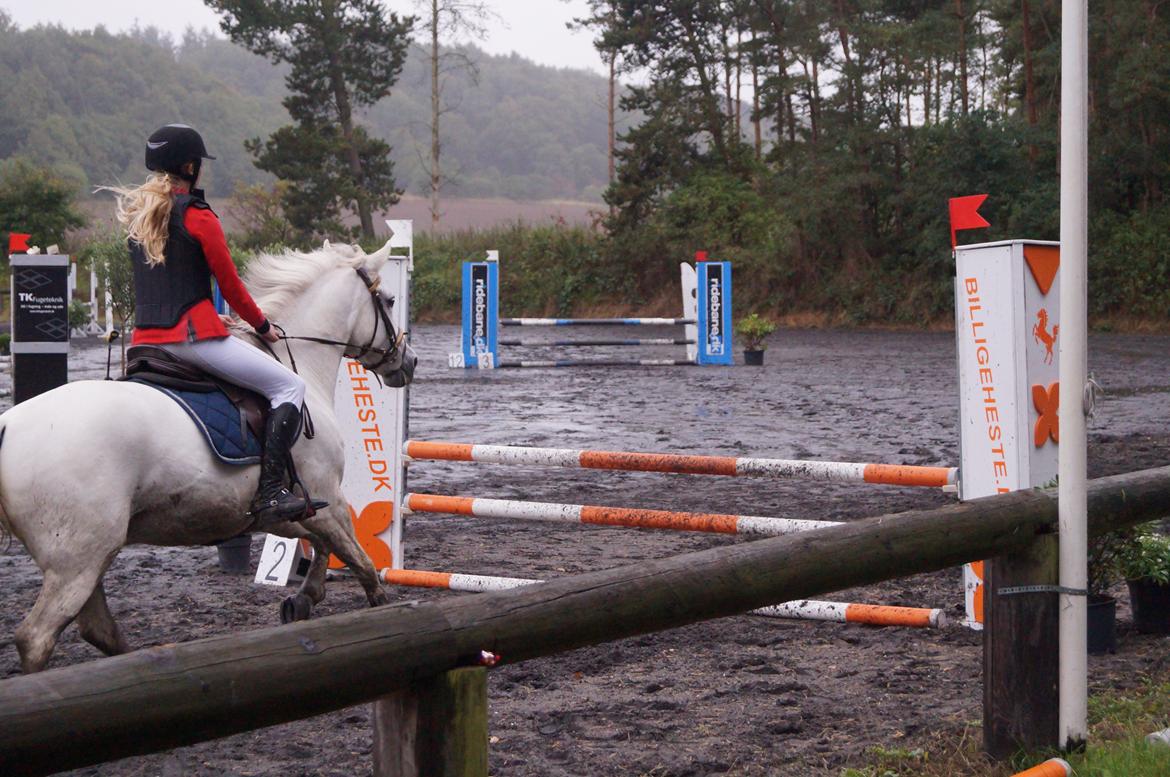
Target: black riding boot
[273,502]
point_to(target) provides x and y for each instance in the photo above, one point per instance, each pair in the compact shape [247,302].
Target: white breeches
[244,365]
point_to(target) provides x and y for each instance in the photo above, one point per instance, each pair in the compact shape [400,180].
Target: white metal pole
[1074,206]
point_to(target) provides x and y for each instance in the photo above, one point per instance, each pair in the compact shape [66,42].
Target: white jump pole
[801,609]
[687,464]
[1074,207]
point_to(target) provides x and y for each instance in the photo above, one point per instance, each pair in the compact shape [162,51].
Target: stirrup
[271,510]
[268,516]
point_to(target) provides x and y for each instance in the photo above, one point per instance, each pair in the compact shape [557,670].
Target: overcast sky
[533,28]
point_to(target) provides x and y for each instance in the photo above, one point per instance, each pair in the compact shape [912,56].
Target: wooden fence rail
[165,697]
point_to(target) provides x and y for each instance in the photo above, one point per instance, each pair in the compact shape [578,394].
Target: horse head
[333,296]
[387,353]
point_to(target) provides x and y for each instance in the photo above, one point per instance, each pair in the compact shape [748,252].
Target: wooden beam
[176,695]
[436,727]
[1020,667]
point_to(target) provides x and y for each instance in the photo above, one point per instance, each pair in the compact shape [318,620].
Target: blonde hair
[145,212]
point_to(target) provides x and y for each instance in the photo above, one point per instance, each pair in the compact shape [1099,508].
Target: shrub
[753,330]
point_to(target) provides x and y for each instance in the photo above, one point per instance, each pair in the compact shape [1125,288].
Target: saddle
[233,419]
[196,391]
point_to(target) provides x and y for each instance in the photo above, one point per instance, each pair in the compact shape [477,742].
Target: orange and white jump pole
[803,609]
[608,516]
[732,466]
[851,612]
[1053,767]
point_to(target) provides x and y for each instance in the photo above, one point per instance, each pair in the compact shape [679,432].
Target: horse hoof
[297,607]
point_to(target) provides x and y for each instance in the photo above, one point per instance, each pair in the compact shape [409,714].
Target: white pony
[94,465]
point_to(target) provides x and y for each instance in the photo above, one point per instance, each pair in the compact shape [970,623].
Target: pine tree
[345,55]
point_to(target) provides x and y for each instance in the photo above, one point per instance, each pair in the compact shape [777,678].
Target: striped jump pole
[715,523]
[546,363]
[732,466]
[595,322]
[847,612]
[1053,767]
[804,609]
[615,342]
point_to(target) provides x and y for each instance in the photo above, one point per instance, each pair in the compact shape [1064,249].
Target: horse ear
[325,247]
[375,260]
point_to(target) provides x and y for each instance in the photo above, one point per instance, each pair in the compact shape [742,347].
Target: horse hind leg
[59,602]
[97,625]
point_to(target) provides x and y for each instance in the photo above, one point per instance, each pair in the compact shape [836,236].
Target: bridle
[395,339]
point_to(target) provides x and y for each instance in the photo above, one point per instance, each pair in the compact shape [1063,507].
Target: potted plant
[1102,608]
[1144,562]
[752,331]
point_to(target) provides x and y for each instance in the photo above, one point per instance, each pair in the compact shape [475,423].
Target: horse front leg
[313,585]
[335,527]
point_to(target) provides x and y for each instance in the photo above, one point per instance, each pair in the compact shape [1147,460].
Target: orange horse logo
[1040,334]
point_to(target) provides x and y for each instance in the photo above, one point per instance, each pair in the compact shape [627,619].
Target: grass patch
[1118,724]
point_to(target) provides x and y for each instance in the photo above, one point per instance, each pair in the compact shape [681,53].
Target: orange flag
[965,214]
[17,242]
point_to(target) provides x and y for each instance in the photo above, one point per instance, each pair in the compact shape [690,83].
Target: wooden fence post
[436,727]
[1020,649]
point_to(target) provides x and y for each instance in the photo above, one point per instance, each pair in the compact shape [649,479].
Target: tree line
[81,102]
[816,143]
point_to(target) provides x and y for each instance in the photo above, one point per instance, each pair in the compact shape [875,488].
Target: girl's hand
[267,332]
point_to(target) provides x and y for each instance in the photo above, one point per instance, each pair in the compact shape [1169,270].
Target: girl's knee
[292,391]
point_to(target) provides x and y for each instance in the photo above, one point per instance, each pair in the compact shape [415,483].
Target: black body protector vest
[163,293]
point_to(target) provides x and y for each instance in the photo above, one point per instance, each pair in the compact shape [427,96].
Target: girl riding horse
[177,246]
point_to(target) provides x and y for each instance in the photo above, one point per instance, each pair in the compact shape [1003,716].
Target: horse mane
[276,280]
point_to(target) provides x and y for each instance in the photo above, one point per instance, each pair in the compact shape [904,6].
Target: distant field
[458,214]
[476,213]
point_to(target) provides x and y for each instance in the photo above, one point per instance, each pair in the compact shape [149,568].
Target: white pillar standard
[1074,202]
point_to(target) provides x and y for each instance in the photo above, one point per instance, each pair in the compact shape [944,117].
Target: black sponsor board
[40,324]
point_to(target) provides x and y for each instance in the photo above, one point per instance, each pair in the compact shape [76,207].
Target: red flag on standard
[17,242]
[965,214]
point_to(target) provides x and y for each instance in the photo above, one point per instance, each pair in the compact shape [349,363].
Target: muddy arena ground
[739,696]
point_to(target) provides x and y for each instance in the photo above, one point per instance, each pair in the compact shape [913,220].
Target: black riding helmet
[170,147]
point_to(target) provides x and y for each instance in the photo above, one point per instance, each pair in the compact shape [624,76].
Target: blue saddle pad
[221,423]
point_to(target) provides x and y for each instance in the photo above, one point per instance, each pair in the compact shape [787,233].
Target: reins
[380,314]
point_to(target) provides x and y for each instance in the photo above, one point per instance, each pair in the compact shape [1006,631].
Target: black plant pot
[753,358]
[1102,624]
[1150,601]
[235,555]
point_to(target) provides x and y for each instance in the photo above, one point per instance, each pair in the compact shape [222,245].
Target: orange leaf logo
[376,518]
[1047,402]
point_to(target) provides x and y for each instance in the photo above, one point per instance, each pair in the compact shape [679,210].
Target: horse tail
[5,526]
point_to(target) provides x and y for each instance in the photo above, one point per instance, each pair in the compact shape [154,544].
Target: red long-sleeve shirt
[201,318]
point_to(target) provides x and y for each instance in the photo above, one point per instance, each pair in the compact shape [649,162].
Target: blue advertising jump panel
[714,312]
[481,311]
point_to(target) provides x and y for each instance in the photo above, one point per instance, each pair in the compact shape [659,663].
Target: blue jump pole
[583,343]
[596,321]
[537,363]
